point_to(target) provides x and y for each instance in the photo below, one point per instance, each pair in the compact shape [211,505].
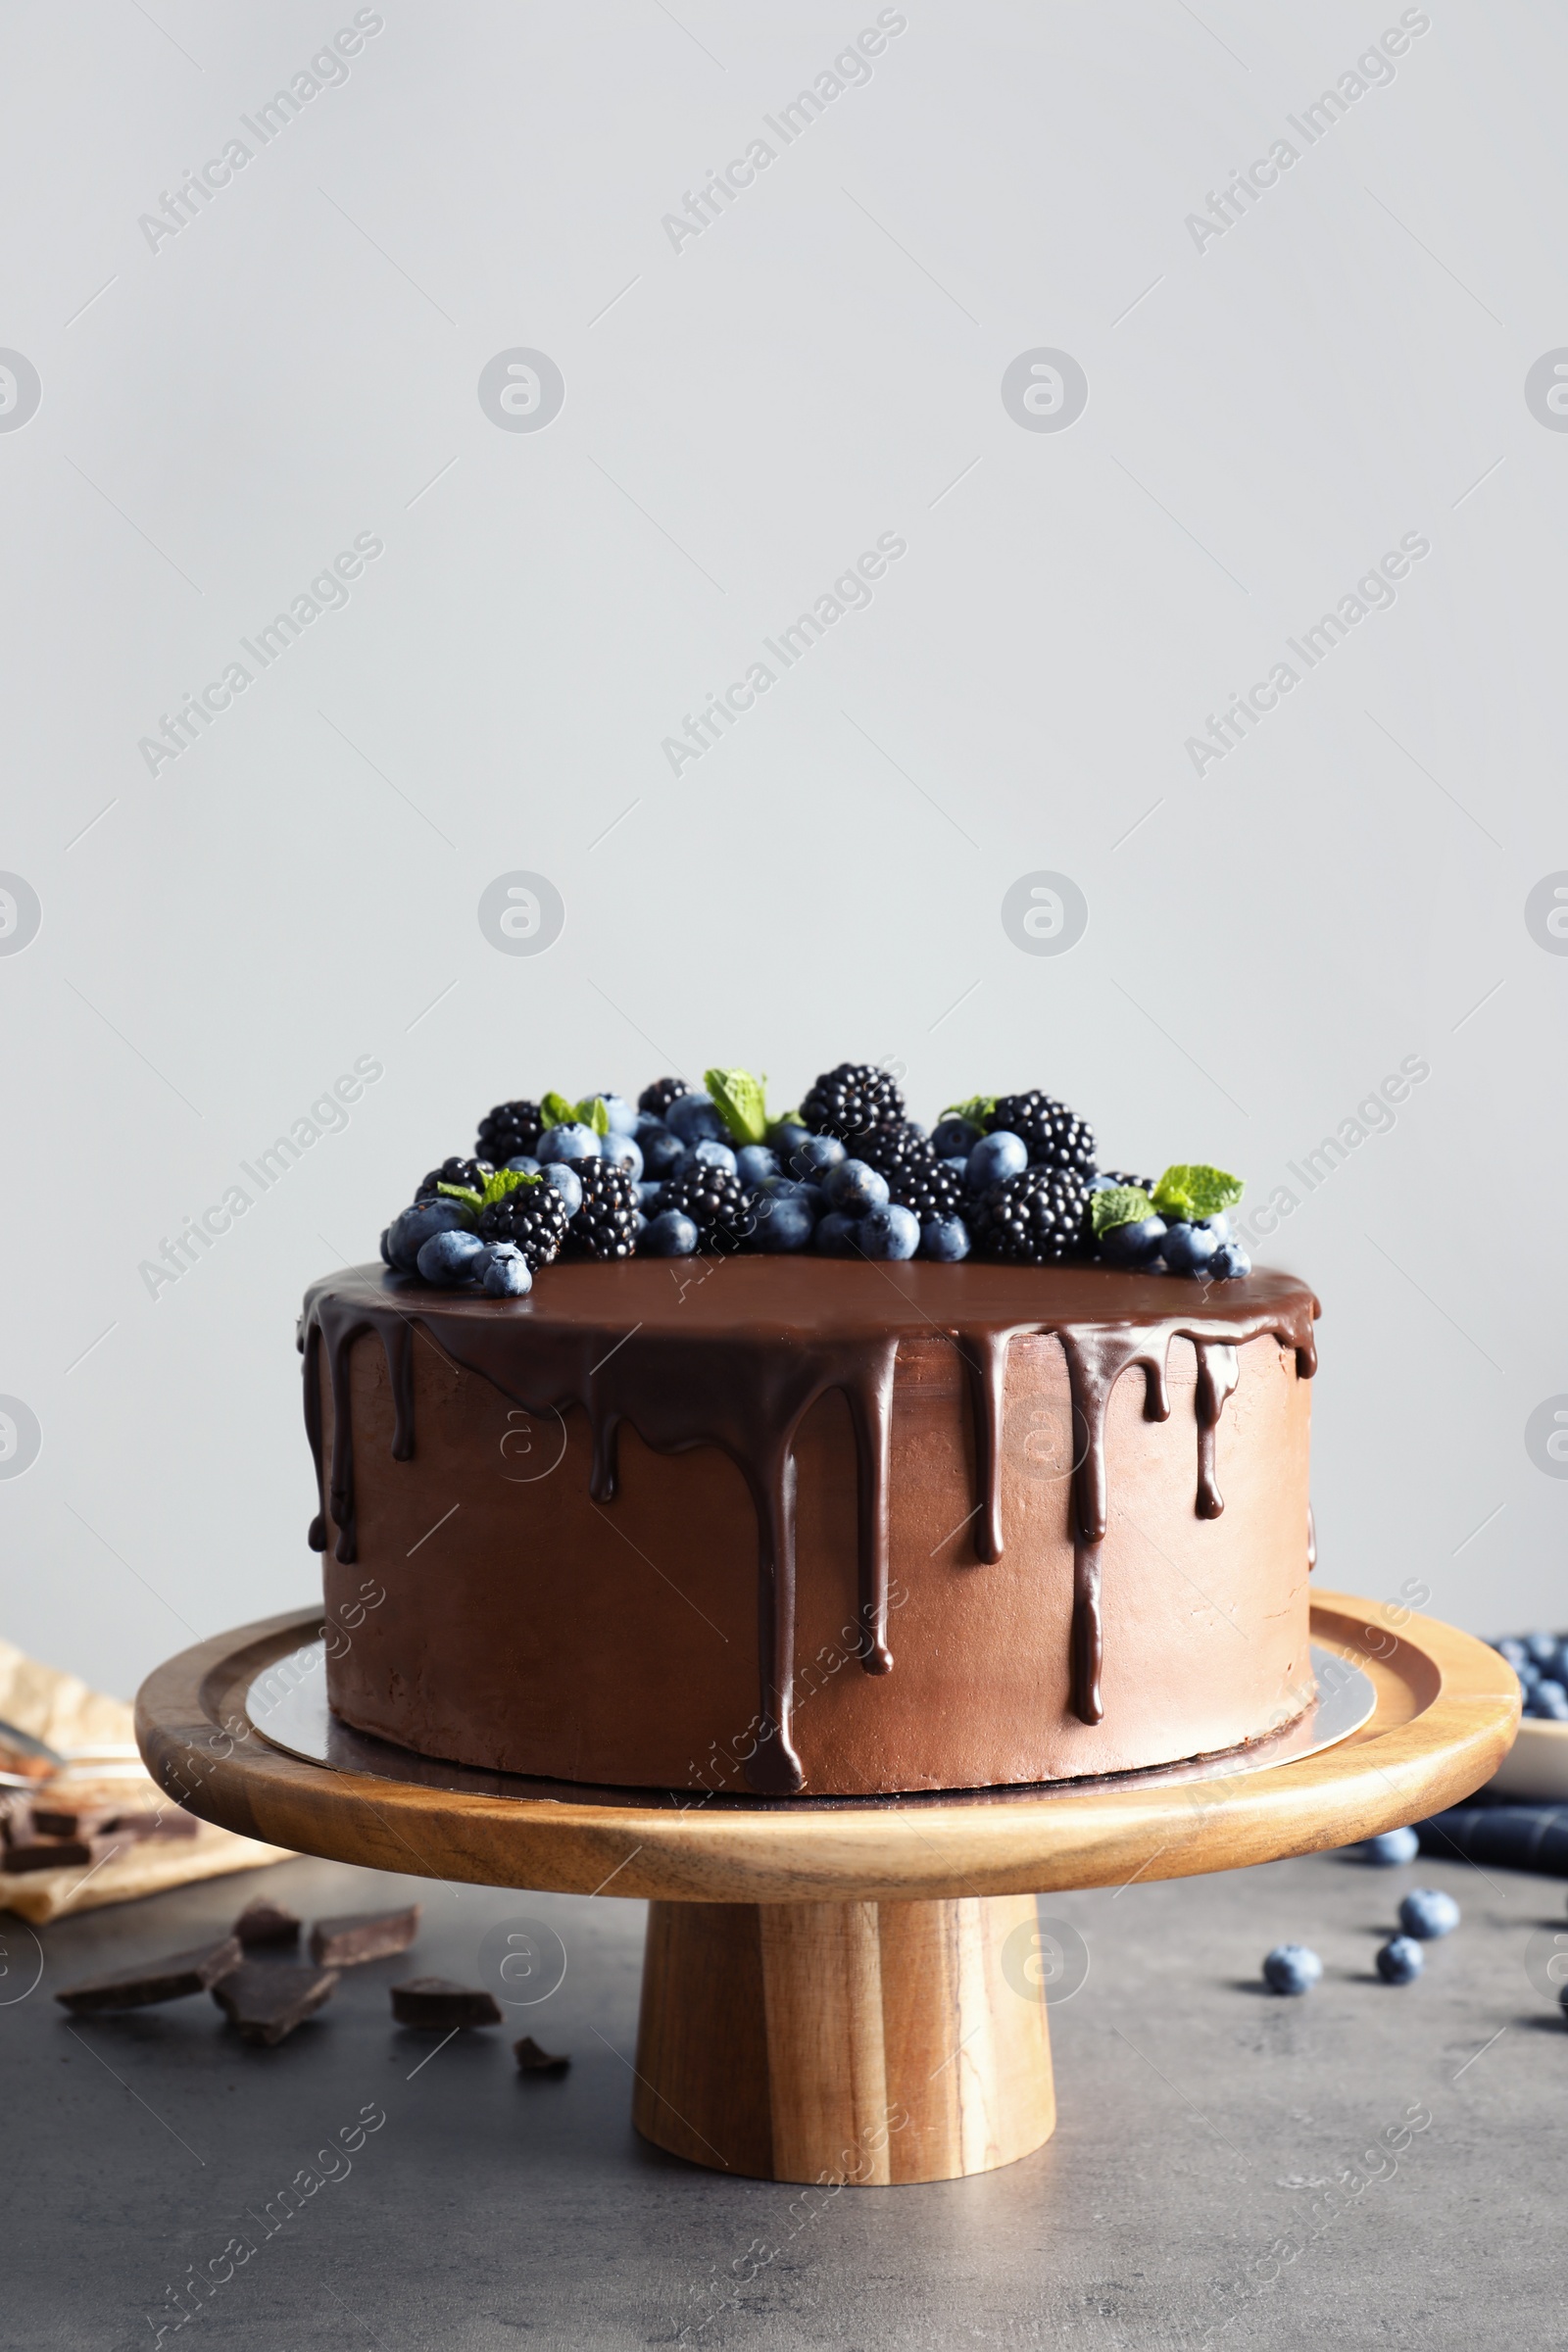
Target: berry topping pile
[850,1175]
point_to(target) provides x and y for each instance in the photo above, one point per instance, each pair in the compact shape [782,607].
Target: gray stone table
[1363,2167]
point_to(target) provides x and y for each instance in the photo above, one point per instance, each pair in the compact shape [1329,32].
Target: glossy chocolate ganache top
[733,1352]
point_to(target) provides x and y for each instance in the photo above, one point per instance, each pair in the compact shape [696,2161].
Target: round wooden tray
[1448,1707]
[853,1993]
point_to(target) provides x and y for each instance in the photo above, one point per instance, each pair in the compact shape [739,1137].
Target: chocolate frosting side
[734,1352]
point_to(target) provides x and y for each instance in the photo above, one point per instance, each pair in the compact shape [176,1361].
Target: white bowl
[1535,1767]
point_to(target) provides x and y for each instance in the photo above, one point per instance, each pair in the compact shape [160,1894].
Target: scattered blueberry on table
[1391,1846]
[1291,1967]
[1401,1960]
[1428,1913]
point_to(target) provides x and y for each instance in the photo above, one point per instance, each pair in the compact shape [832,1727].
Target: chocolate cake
[726,1523]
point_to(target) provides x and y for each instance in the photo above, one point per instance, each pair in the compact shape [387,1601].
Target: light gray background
[1266,416]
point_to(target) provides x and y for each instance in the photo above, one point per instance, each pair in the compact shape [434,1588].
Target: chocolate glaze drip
[728,1358]
[1218,1374]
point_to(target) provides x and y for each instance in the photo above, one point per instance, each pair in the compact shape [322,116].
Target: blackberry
[1056,1138]
[716,1201]
[930,1189]
[533,1216]
[1035,1218]
[1139,1183]
[471,1172]
[852,1102]
[655,1101]
[891,1150]
[605,1225]
[510,1131]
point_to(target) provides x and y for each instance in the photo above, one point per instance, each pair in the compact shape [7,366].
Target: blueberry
[1291,1967]
[575,1142]
[945,1239]
[889,1231]
[995,1157]
[1188,1249]
[1219,1227]
[785,1134]
[1399,1961]
[1549,1703]
[695,1120]
[662,1152]
[756,1163]
[668,1235]
[954,1139]
[1392,1845]
[1541,1649]
[406,1235]
[710,1154]
[1134,1244]
[792,1188]
[959,1162]
[835,1235]
[624,1151]
[853,1187]
[506,1274]
[567,1182]
[1230,1263]
[386,1246]
[788,1224]
[1428,1913]
[620,1114]
[1511,1649]
[452,1257]
[648,1195]
[524,1164]
[813,1156]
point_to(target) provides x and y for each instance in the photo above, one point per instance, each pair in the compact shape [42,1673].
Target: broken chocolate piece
[438,2001]
[262,1922]
[61,1853]
[267,1999]
[532,2060]
[168,1980]
[364,1936]
[54,1817]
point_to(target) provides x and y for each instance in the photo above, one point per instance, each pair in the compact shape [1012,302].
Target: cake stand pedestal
[845,1992]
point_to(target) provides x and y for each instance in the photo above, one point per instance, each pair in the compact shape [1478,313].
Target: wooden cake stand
[850,1991]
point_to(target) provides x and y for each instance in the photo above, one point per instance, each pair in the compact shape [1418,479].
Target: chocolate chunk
[438,2001]
[262,1922]
[532,2060]
[168,1980]
[267,1999]
[53,1816]
[364,1936]
[61,1853]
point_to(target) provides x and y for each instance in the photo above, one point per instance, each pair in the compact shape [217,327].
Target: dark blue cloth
[1514,1837]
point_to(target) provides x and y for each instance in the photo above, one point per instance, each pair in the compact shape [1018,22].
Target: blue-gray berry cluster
[1541,1661]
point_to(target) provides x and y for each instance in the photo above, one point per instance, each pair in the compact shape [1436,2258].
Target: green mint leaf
[741,1101]
[977,1111]
[505,1181]
[556,1111]
[1193,1190]
[1119,1204]
[594,1112]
